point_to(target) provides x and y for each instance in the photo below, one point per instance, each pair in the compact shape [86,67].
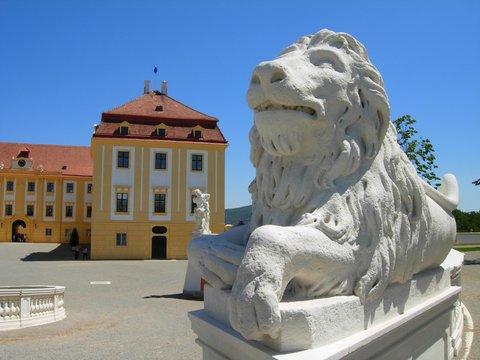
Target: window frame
[47,207]
[48,232]
[8,209]
[30,210]
[124,157]
[196,159]
[31,186]
[161,132]
[121,239]
[88,211]
[197,134]
[89,188]
[160,161]
[10,186]
[69,188]
[159,202]
[52,185]
[122,201]
[67,207]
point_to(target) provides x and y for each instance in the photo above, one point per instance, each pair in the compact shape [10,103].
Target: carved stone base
[421,319]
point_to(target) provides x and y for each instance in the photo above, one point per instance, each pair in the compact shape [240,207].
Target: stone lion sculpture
[338,209]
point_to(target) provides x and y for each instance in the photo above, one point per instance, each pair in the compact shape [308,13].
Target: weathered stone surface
[338,209]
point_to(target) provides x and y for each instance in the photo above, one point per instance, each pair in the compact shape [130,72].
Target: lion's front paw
[254,310]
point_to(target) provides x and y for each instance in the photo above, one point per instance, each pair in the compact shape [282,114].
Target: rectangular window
[88,233]
[122,202]
[89,211]
[161,132]
[160,161]
[49,210]
[48,232]
[197,162]
[50,187]
[123,130]
[197,134]
[69,211]
[30,209]
[160,203]
[89,188]
[8,209]
[121,239]
[70,188]
[31,186]
[122,159]
[68,233]
[9,185]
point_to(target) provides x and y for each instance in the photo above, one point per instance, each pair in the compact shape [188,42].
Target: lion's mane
[363,193]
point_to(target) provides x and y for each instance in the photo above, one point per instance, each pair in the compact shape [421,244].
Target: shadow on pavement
[471,262]
[179,296]
[61,253]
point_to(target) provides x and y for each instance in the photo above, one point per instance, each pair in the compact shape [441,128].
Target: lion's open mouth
[268,105]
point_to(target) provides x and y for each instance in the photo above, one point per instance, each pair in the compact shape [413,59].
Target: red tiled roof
[53,158]
[146,112]
[147,107]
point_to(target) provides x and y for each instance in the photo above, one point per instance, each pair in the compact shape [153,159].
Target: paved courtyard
[140,315]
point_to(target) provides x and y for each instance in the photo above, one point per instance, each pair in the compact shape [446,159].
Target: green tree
[74,237]
[420,151]
[467,221]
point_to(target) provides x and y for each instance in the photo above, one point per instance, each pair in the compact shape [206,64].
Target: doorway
[18,231]
[159,247]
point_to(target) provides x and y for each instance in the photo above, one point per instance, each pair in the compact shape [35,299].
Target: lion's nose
[268,73]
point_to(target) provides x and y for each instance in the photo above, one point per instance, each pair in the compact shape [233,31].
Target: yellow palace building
[45,192]
[133,197]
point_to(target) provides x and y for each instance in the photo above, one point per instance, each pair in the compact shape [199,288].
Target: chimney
[164,87]
[146,86]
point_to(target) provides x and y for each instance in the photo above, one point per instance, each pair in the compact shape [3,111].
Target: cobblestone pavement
[140,315]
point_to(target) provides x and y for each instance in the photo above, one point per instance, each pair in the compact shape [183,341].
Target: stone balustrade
[23,306]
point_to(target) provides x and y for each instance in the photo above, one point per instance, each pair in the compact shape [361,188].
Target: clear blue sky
[62,63]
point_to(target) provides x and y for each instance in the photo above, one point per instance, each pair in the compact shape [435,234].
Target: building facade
[148,157]
[45,192]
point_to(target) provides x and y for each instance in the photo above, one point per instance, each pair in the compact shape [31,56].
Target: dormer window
[161,132]
[123,130]
[197,134]
[159,108]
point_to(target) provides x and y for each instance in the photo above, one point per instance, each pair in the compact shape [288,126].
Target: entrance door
[18,231]
[159,247]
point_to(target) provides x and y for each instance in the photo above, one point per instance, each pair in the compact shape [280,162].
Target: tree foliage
[420,151]
[467,221]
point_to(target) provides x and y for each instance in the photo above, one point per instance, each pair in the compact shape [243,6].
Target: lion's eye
[324,63]
[326,59]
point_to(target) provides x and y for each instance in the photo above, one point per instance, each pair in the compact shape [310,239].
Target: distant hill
[234,216]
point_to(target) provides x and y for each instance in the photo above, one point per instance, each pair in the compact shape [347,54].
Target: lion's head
[320,105]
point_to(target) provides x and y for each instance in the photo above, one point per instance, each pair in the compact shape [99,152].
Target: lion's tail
[448,196]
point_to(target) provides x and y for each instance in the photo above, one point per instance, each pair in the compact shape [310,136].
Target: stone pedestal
[193,282]
[421,319]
